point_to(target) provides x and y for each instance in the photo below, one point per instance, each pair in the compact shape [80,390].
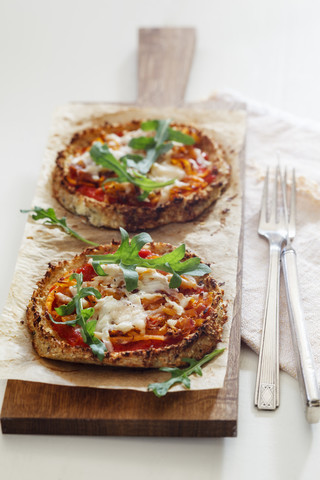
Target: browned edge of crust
[48,344]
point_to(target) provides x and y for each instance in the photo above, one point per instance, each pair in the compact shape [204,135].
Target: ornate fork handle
[267,383]
[305,364]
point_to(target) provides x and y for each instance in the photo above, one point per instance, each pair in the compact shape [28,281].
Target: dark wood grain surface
[165,57]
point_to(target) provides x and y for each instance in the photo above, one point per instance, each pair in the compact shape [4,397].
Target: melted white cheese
[165,191]
[178,308]
[161,171]
[165,171]
[128,313]
[151,281]
[200,158]
[123,315]
[89,165]
[118,146]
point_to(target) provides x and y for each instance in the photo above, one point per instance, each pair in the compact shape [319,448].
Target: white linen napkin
[298,142]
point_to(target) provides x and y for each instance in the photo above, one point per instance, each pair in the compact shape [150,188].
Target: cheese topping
[151,281]
[200,160]
[123,315]
[118,146]
[186,166]
[151,312]
[128,313]
[89,165]
[162,171]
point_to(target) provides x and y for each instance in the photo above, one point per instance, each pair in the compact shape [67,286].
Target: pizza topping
[95,301]
[120,315]
[127,257]
[162,172]
[118,147]
[82,317]
[151,281]
[102,155]
[154,312]
[119,310]
[157,161]
[85,164]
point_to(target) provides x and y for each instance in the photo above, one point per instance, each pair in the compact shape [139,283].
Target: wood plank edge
[129,428]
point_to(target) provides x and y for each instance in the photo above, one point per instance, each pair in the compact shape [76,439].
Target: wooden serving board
[165,57]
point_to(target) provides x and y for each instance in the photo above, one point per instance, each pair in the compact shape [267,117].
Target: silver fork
[304,359]
[273,228]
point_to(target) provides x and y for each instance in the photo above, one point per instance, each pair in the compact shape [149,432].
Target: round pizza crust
[48,344]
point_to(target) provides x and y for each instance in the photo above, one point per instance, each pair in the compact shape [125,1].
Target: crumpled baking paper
[214,237]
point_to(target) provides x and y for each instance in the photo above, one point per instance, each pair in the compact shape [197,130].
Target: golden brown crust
[141,216]
[48,344]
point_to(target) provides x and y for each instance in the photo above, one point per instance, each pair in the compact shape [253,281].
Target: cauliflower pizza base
[200,175]
[153,326]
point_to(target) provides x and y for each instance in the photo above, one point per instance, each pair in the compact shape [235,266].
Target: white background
[53,52]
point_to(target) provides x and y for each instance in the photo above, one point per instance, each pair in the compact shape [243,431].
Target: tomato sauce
[145,344]
[70,334]
[145,253]
[92,192]
[87,271]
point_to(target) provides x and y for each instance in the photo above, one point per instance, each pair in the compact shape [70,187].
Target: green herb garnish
[127,257]
[101,155]
[181,375]
[83,315]
[51,219]
[156,145]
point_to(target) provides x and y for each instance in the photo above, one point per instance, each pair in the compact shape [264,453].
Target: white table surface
[53,52]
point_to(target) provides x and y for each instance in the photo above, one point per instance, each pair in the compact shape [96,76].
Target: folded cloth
[269,132]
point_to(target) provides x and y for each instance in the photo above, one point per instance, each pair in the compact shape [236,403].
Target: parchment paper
[214,237]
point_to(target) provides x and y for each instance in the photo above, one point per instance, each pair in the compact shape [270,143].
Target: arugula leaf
[181,375]
[131,160]
[101,155]
[156,146]
[152,156]
[51,219]
[83,315]
[127,257]
[178,136]
[131,276]
[162,131]
[66,309]
[142,143]
[174,135]
[149,125]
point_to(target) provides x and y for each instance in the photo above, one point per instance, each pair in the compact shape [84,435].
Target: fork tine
[292,217]
[264,199]
[273,214]
[284,186]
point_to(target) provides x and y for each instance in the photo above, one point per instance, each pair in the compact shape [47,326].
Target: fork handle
[304,359]
[267,383]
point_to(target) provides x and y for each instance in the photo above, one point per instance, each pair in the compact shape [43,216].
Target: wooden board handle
[165,58]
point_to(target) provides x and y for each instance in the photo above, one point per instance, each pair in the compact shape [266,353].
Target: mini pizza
[137,304]
[140,175]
